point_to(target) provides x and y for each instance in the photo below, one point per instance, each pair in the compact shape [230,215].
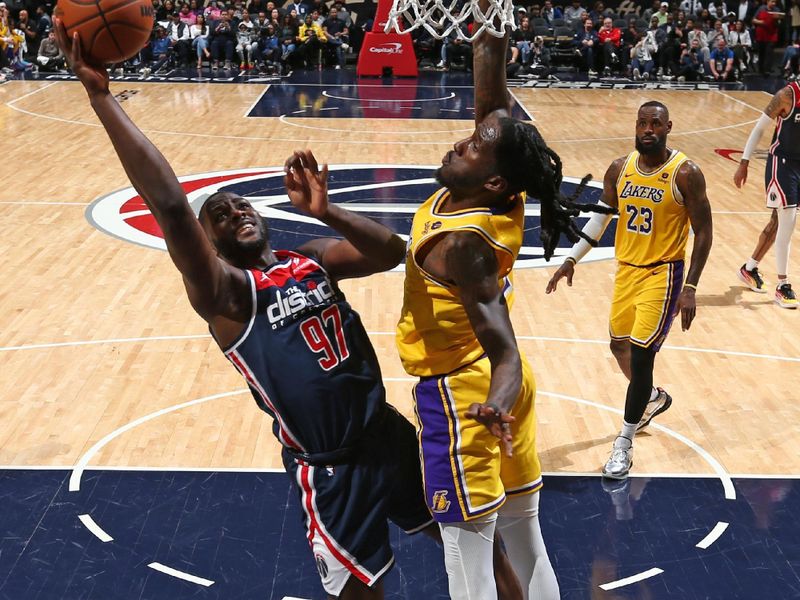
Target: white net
[443,17]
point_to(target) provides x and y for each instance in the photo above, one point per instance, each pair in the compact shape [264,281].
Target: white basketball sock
[751,264]
[628,430]
[518,522]
[786,221]
[653,394]
[468,558]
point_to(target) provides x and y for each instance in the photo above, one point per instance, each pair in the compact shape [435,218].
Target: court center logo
[387,193]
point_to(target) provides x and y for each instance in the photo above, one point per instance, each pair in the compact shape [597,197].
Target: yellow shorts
[644,304]
[464,471]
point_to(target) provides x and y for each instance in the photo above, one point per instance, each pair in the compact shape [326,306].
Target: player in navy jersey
[782,183]
[282,321]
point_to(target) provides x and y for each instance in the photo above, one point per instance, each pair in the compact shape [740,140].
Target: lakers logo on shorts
[440,503]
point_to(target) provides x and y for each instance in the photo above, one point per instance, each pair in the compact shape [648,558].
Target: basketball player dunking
[782,184]
[455,334]
[658,192]
[281,320]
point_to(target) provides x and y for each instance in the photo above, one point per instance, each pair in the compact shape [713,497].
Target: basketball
[110,30]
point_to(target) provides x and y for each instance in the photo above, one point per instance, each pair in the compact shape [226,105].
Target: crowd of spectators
[681,39]
[214,34]
[686,40]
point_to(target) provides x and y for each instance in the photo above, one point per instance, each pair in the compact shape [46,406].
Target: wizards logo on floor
[387,193]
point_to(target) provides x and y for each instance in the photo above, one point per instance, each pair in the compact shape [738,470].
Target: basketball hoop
[442,17]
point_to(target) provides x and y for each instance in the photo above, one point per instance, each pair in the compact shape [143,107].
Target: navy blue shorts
[782,181]
[347,506]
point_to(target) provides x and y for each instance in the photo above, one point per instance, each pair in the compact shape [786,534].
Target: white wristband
[594,229]
[763,123]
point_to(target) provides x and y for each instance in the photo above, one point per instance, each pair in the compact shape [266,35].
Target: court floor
[134,464]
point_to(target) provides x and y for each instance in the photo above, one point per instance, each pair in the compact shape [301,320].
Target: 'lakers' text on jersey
[306,357]
[786,139]
[653,222]
[434,335]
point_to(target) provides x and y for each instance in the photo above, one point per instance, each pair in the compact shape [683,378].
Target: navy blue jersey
[786,139]
[307,358]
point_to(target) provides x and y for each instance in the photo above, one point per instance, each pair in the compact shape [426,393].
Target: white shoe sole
[749,285]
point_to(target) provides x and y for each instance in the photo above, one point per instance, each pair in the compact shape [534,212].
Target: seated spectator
[246,44]
[598,13]
[30,31]
[44,22]
[164,11]
[720,62]
[550,12]
[311,39]
[739,41]
[790,59]
[642,63]
[717,9]
[288,38]
[657,38]
[716,34]
[317,18]
[222,41]
[212,13]
[630,37]
[187,16]
[691,7]
[195,8]
[455,48]
[522,38]
[156,54]
[199,33]
[12,42]
[585,43]
[573,14]
[338,37]
[269,49]
[50,57]
[609,38]
[702,41]
[180,40]
[662,14]
[540,64]
[691,68]
[669,52]
[649,12]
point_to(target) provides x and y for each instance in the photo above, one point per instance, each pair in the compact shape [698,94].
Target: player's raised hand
[740,177]
[566,270]
[93,77]
[306,185]
[496,421]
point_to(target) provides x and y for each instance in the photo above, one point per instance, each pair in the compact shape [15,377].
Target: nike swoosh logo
[629,174]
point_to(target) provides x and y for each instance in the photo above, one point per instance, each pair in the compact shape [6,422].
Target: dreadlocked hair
[526,162]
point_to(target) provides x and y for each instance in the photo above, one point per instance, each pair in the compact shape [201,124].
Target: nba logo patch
[322,566]
[440,503]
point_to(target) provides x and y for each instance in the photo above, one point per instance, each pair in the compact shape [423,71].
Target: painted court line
[632,579]
[95,529]
[77,473]
[713,535]
[379,100]
[180,574]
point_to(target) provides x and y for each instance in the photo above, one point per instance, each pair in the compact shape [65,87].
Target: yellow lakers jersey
[434,335]
[653,222]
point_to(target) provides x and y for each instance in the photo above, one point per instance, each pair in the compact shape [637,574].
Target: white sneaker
[637,76]
[440,64]
[620,462]
[345,47]
[592,73]
[656,406]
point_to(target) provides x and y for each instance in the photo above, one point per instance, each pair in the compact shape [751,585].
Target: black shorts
[782,181]
[347,506]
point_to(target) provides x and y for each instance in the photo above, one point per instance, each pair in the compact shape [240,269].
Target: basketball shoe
[620,462]
[784,296]
[656,406]
[752,279]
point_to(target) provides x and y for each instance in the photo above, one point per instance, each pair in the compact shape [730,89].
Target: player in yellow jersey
[455,334]
[658,192]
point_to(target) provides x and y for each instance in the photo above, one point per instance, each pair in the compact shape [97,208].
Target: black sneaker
[752,279]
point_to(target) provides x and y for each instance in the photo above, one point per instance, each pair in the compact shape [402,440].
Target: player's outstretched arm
[594,228]
[489,65]
[205,275]
[368,247]
[692,184]
[779,106]
[472,266]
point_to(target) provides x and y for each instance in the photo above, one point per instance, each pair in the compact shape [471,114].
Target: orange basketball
[110,30]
